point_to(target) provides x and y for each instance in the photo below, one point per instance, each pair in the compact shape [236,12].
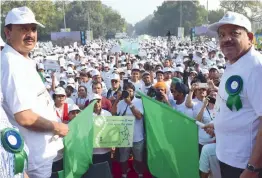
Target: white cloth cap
[95,72]
[70,70]
[41,66]
[73,107]
[95,97]
[21,15]
[70,81]
[60,91]
[135,67]
[179,69]
[205,71]
[234,19]
[167,69]
[115,77]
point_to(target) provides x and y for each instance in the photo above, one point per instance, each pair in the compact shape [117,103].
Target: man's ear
[7,33]
[250,36]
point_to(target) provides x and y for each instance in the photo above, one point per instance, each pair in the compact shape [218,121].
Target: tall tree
[251,9]
[215,15]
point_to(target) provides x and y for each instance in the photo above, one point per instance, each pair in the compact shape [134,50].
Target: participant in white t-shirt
[131,106]
[238,125]
[135,79]
[208,163]
[196,104]
[100,154]
[179,91]
[27,103]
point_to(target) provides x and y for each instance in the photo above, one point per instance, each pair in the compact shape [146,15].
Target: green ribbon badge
[13,143]
[234,86]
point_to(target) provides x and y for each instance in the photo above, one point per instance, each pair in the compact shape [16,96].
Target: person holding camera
[127,104]
[206,115]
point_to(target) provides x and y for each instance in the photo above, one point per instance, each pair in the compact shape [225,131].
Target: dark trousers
[58,165]
[97,158]
[231,172]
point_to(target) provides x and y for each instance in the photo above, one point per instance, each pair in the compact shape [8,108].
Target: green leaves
[167,17]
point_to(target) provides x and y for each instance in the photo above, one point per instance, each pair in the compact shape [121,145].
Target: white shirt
[24,90]
[139,125]
[203,137]
[106,78]
[197,105]
[100,151]
[208,161]
[139,85]
[183,109]
[236,130]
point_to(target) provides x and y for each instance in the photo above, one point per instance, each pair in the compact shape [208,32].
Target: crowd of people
[196,79]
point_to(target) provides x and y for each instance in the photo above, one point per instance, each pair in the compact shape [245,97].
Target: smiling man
[238,123]
[27,103]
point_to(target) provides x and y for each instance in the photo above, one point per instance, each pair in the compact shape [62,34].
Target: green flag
[172,141]
[78,145]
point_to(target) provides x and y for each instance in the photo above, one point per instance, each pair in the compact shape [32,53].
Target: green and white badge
[234,86]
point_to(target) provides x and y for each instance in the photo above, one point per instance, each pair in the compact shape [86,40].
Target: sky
[136,10]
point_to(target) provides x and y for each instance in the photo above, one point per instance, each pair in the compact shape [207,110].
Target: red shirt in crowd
[106,104]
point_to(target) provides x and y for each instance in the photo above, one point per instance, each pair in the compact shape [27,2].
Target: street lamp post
[64,14]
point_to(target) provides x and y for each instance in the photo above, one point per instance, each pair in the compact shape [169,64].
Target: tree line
[79,16]
[168,16]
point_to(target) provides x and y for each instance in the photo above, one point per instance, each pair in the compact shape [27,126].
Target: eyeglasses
[114,81]
[60,96]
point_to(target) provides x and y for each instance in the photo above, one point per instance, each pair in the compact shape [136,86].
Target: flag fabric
[78,145]
[172,141]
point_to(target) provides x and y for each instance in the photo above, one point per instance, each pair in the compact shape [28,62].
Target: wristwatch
[252,168]
[131,105]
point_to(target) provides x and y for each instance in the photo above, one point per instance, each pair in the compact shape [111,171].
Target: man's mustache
[29,38]
[228,43]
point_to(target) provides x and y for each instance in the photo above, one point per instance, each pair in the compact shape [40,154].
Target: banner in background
[113,131]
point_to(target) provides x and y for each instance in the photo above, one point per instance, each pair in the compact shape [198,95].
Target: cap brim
[215,26]
[29,22]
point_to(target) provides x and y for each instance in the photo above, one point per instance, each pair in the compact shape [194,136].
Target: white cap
[115,77]
[41,66]
[21,15]
[214,67]
[60,91]
[95,97]
[167,69]
[179,69]
[71,85]
[2,43]
[221,71]
[95,72]
[234,19]
[70,81]
[73,107]
[135,67]
[205,71]
[70,70]
[70,63]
